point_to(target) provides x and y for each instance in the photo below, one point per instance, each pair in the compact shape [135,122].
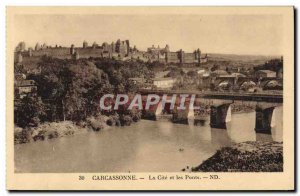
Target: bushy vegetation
[29,112]
[71,90]
[246,157]
[46,131]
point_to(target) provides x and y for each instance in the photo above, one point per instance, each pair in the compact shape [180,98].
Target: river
[146,146]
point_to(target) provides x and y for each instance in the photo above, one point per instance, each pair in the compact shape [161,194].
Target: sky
[228,34]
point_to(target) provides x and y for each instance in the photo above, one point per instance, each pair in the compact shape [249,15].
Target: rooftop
[266,71]
[25,83]
[162,79]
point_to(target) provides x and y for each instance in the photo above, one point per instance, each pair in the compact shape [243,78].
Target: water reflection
[201,122]
[264,137]
[165,126]
[220,137]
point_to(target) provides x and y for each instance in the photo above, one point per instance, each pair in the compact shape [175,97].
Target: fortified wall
[120,50]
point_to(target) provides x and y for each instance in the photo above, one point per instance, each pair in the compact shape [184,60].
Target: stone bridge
[219,106]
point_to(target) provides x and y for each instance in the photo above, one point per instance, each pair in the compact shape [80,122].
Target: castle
[120,50]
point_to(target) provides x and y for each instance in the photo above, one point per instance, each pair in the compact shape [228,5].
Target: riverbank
[52,130]
[245,157]
[46,131]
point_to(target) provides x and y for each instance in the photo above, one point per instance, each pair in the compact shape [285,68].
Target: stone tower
[123,48]
[37,46]
[85,44]
[134,48]
[167,48]
[181,56]
[199,56]
[105,46]
[95,45]
[196,55]
[72,49]
[75,56]
[118,45]
[19,58]
[113,47]
[30,52]
[128,46]
[167,51]
[20,47]
[44,46]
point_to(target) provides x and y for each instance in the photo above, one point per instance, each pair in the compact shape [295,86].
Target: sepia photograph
[187,91]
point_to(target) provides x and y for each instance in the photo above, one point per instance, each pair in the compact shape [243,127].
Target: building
[185,58]
[20,76]
[161,74]
[137,81]
[24,88]
[237,75]
[228,80]
[265,74]
[249,86]
[272,85]
[122,48]
[280,73]
[205,82]
[35,71]
[219,72]
[164,83]
[154,50]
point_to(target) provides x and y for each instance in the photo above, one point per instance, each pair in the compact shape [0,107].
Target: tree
[29,112]
[71,90]
[88,84]
[125,120]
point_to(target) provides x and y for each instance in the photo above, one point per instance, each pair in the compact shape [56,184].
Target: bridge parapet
[272,97]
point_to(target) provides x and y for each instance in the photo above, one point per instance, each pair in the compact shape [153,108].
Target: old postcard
[150,98]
